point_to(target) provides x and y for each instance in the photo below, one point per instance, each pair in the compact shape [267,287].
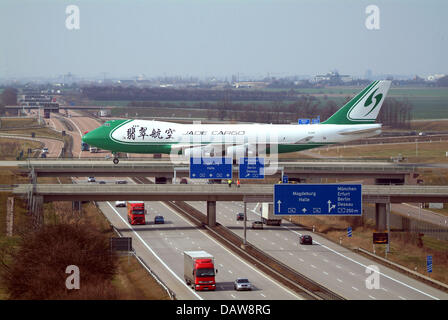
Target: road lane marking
[237,258]
[313,266]
[325,273]
[325,260]
[301,259]
[262,295]
[372,297]
[364,266]
[401,298]
[152,251]
[354,288]
[339,280]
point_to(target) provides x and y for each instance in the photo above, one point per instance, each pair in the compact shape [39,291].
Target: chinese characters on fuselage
[156,133]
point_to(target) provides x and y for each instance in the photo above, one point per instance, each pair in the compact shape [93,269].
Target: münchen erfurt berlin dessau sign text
[318,199]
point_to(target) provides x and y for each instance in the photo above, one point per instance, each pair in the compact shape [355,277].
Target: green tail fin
[364,107]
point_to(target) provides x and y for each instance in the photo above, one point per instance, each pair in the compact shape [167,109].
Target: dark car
[306,239]
[121,182]
[257,225]
[240,216]
[159,219]
[102,182]
[183,181]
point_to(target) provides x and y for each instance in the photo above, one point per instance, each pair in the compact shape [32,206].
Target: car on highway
[306,239]
[43,155]
[242,284]
[183,181]
[257,225]
[159,220]
[240,216]
[102,182]
[91,179]
[45,150]
[121,182]
[119,203]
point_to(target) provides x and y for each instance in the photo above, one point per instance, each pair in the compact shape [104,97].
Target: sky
[203,38]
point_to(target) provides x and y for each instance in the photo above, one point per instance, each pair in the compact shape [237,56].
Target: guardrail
[283,273]
[171,293]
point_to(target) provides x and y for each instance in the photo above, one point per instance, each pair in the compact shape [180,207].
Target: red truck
[136,212]
[199,270]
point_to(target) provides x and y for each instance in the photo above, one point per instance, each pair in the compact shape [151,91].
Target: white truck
[199,270]
[267,215]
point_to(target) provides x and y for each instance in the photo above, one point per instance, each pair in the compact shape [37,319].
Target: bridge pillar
[37,211]
[211,213]
[380,216]
[76,206]
[9,216]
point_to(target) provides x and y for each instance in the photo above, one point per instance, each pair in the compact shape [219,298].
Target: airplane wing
[357,131]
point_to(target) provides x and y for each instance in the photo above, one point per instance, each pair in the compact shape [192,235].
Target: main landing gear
[115,158]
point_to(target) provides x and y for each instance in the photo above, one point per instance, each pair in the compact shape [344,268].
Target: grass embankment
[421,152]
[10,148]
[7,123]
[405,247]
[433,125]
[39,133]
[131,281]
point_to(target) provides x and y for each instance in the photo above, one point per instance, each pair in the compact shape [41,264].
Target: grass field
[17,122]
[428,103]
[414,152]
[39,132]
[10,148]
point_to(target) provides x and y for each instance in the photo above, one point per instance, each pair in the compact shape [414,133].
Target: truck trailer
[267,215]
[136,212]
[199,270]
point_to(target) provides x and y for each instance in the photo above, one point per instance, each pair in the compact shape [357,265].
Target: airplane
[354,121]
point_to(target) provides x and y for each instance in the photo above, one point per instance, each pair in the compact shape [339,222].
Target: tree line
[179,94]
[396,113]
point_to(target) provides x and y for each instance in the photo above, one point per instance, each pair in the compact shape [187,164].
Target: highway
[161,247]
[54,146]
[415,212]
[333,266]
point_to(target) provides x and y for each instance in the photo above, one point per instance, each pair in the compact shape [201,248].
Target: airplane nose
[87,138]
[91,138]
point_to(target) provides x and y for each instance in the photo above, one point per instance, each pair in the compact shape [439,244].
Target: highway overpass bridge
[303,171]
[382,196]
